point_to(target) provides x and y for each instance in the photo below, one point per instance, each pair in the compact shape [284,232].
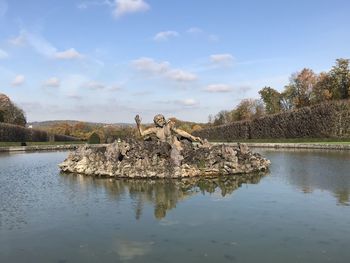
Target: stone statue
[167,157]
[165,131]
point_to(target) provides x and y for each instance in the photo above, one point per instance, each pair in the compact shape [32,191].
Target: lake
[298,212]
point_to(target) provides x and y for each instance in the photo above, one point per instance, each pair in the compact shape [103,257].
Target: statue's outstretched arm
[187,135]
[142,132]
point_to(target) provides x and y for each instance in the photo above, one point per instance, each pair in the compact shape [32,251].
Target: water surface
[299,212]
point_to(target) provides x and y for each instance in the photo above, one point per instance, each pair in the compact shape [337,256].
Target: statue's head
[159,120]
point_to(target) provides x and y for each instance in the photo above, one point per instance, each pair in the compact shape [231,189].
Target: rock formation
[165,152]
[156,159]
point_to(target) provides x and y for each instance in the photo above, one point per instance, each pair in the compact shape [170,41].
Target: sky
[108,60]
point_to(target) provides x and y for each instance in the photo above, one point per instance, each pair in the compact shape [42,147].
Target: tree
[62,128]
[340,75]
[196,127]
[303,83]
[10,113]
[94,138]
[287,98]
[211,119]
[271,99]
[259,109]
[323,89]
[14,115]
[248,109]
[223,117]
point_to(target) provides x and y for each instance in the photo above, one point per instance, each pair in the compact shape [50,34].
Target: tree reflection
[163,194]
[312,170]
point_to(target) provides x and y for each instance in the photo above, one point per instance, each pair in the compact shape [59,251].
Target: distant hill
[48,124]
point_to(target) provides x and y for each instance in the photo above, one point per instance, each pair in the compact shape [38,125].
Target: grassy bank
[9,144]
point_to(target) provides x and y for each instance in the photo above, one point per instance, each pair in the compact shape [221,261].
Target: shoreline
[318,146]
[34,148]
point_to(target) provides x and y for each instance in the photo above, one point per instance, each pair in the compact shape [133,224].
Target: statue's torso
[164,134]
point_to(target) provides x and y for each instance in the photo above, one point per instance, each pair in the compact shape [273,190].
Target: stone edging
[297,146]
[33,148]
[252,145]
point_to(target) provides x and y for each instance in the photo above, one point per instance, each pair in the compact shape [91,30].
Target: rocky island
[163,152]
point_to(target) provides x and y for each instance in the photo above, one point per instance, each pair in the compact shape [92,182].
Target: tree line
[11,113]
[305,88]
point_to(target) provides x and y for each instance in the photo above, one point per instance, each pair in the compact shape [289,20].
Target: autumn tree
[302,84]
[271,99]
[323,89]
[223,117]
[61,128]
[248,109]
[340,75]
[196,127]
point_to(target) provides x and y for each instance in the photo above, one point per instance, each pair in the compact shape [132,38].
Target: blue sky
[107,60]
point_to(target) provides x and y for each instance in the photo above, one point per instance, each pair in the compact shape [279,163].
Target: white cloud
[150,65]
[52,82]
[94,85]
[165,35]
[130,6]
[163,69]
[218,88]
[181,75]
[187,102]
[225,59]
[43,47]
[68,54]
[18,80]
[3,54]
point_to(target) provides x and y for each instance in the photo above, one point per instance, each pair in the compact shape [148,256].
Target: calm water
[299,212]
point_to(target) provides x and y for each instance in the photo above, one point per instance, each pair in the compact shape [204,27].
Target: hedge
[327,120]
[15,133]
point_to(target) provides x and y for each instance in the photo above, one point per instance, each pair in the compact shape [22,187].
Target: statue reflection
[163,194]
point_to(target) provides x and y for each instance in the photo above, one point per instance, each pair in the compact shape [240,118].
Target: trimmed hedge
[94,138]
[327,120]
[15,133]
[65,138]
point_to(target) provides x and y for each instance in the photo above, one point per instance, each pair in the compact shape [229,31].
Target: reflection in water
[127,250]
[47,217]
[163,194]
[312,170]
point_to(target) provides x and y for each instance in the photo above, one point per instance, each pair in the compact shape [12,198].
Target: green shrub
[94,138]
